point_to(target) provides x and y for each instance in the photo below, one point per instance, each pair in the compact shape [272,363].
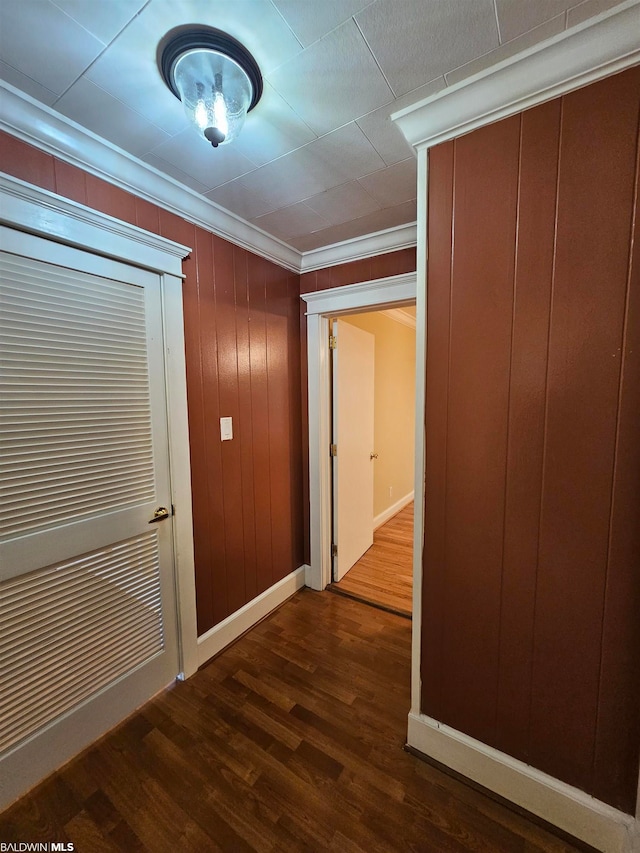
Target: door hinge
[333,450]
[333,343]
[334,550]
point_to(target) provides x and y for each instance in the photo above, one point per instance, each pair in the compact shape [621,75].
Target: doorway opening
[381,294]
[373,415]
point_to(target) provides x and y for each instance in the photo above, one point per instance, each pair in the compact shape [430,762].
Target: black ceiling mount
[179,41]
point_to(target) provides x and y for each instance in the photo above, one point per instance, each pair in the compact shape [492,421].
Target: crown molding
[39,125]
[400,316]
[358,248]
[601,46]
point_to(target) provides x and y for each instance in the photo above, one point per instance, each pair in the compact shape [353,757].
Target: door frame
[26,207]
[376,295]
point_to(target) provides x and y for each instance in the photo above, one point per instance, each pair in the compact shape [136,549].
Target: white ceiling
[319,160]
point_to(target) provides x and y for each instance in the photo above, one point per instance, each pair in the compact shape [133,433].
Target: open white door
[353,392]
[87,599]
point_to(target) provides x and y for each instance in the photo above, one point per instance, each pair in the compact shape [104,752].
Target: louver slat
[75,417]
[85,623]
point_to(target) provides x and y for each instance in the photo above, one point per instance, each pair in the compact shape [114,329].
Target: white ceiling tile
[26,84]
[333,81]
[272,129]
[310,21]
[128,70]
[239,200]
[194,156]
[327,162]
[393,185]
[378,221]
[588,9]
[347,151]
[390,217]
[104,20]
[289,179]
[39,40]
[516,18]
[383,134]
[416,41]
[510,48]
[348,201]
[173,172]
[291,221]
[100,112]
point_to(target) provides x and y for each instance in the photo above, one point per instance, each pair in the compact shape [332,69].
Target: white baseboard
[233,626]
[392,510]
[562,805]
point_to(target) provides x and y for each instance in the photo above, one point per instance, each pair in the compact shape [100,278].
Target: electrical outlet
[390,491]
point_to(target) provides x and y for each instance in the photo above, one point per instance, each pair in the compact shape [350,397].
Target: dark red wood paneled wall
[354,272]
[243,360]
[531,596]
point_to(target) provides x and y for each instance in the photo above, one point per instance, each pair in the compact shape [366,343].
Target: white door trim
[28,208]
[369,296]
[420,435]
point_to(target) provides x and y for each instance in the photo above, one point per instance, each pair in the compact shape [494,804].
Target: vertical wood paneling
[351,273]
[110,199]
[260,424]
[298,422]
[541,591]
[441,160]
[618,721]
[394,263]
[70,182]
[215,566]
[26,162]
[279,435]
[478,399]
[532,297]
[354,272]
[147,216]
[227,362]
[245,431]
[595,197]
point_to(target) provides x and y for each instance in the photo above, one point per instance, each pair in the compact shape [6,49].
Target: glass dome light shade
[215,91]
[215,77]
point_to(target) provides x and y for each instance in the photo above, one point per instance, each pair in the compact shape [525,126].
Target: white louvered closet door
[86,582]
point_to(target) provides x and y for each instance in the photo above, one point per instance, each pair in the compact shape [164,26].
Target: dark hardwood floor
[384,574]
[290,740]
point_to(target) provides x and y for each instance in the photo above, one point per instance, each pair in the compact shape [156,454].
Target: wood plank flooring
[290,740]
[384,574]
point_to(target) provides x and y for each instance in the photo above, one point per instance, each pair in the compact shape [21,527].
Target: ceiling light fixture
[215,77]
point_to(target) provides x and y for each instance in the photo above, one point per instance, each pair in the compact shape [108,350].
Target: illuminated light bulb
[220,113]
[200,114]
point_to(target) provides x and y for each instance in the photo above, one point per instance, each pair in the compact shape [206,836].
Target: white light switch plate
[226,429]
